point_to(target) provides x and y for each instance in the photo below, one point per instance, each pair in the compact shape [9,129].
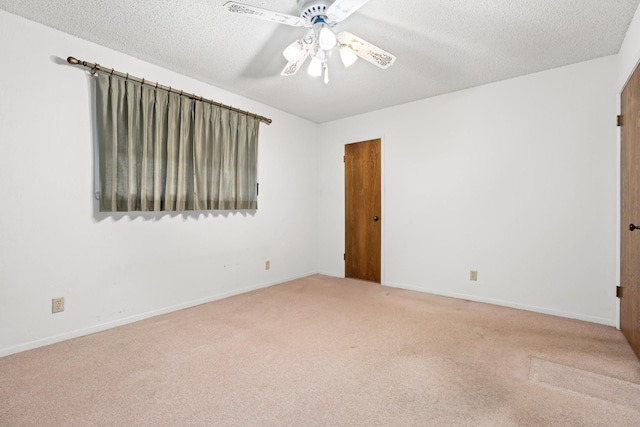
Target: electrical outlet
[57,305]
[267,265]
[474,275]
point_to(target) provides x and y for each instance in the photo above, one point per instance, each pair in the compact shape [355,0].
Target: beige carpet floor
[330,352]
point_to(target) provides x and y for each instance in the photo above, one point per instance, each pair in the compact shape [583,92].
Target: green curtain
[161,151]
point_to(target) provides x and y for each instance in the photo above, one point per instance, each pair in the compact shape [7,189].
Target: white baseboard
[570,315]
[331,274]
[124,321]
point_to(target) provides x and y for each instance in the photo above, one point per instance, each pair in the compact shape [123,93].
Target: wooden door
[363,210]
[630,213]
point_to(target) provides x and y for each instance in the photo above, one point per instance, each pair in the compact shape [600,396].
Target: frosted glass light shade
[347,55]
[292,52]
[315,67]
[327,39]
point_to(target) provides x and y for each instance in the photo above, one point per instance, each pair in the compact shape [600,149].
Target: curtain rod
[97,67]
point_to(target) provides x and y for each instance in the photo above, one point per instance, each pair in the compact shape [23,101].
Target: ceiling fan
[320,16]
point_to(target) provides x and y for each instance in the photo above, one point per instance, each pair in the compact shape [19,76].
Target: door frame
[382,204]
[619,203]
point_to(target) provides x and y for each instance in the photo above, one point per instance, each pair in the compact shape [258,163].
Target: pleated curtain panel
[160,151]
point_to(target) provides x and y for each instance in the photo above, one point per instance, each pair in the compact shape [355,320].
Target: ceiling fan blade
[342,9]
[366,50]
[267,15]
[293,66]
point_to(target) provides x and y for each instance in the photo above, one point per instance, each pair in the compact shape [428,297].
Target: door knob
[375,218]
[633,227]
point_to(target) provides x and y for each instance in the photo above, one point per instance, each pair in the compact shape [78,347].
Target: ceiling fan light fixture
[315,67]
[347,55]
[319,17]
[292,52]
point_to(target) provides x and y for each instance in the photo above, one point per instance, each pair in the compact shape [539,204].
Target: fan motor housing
[310,9]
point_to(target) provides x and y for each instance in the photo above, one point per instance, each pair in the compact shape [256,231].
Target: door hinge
[344,159]
[344,257]
[257,189]
[618,292]
[620,120]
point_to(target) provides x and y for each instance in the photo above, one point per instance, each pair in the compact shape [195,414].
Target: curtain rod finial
[72,60]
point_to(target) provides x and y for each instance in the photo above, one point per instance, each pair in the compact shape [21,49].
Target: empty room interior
[501,239]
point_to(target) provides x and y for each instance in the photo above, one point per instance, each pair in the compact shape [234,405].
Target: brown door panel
[363,219]
[630,213]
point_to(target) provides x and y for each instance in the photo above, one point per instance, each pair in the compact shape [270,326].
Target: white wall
[515,179]
[113,269]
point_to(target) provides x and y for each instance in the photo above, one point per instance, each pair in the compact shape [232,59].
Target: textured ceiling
[441,45]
